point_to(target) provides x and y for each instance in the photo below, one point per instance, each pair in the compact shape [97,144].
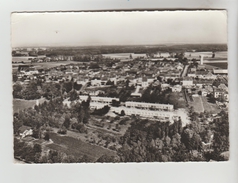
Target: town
[121,104]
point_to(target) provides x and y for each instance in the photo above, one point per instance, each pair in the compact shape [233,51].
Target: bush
[102,111]
[62,131]
[47,136]
[81,128]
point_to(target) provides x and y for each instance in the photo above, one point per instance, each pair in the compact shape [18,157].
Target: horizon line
[91,45]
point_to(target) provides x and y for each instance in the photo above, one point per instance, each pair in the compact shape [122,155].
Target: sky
[118,28]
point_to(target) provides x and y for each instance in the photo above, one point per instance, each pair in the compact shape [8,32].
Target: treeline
[29,92]
[37,89]
[98,50]
[53,114]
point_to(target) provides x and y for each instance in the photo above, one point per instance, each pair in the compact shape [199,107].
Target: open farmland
[52,64]
[124,55]
[207,54]
[21,59]
[222,65]
[76,147]
[20,104]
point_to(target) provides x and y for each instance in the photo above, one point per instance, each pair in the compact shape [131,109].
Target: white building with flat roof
[144,105]
[106,100]
[164,115]
[220,71]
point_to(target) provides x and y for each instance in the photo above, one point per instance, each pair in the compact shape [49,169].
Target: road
[83,87]
[185,70]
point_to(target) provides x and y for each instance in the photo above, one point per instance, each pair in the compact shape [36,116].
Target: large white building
[165,115]
[105,100]
[143,105]
[220,71]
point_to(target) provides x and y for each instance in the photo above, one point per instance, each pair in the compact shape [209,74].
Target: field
[124,55]
[222,65]
[213,108]
[53,64]
[76,147]
[20,59]
[200,104]
[221,54]
[197,104]
[20,104]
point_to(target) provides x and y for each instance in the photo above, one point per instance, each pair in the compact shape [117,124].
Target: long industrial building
[106,100]
[152,106]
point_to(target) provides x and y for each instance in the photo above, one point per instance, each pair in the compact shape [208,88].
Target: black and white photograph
[120,86]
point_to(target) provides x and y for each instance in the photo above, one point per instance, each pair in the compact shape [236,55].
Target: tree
[67,86]
[17,88]
[47,136]
[16,125]
[101,111]
[77,86]
[14,78]
[123,113]
[62,130]
[85,159]
[37,148]
[73,95]
[67,121]
[115,103]
[36,133]
[186,138]
[196,141]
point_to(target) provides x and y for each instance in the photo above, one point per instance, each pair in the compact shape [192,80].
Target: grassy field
[222,65]
[209,106]
[76,147]
[201,104]
[197,104]
[20,104]
[52,64]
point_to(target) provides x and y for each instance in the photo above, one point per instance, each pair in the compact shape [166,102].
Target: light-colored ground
[197,104]
[20,104]
[183,113]
[210,107]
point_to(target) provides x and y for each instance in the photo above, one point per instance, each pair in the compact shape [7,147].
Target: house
[164,86]
[223,87]
[176,88]
[113,79]
[96,82]
[150,80]
[204,92]
[25,131]
[145,82]
[193,69]
[220,93]
[104,80]
[201,73]
[191,74]
[187,81]
[209,89]
[179,67]
[220,71]
[209,75]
